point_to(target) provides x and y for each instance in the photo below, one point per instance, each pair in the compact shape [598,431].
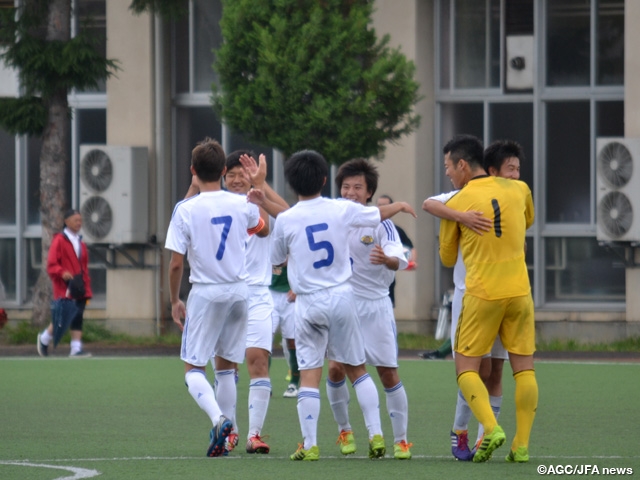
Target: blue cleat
[218,437]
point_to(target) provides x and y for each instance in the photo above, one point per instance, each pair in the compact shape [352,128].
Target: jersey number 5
[226,221]
[322,245]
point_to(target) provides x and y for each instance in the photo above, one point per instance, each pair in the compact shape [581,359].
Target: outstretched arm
[388,211]
[257,174]
[471,219]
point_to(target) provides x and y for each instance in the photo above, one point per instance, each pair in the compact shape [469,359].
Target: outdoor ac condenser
[618,189]
[114,199]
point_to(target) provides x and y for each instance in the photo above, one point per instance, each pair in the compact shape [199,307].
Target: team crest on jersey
[366,239]
[276,270]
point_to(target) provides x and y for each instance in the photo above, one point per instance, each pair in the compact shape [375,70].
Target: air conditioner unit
[618,189]
[114,199]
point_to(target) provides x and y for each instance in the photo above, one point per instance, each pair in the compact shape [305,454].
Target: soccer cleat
[256,445]
[401,450]
[80,354]
[291,391]
[376,447]
[347,442]
[521,455]
[43,350]
[431,355]
[218,437]
[460,446]
[306,455]
[230,443]
[490,442]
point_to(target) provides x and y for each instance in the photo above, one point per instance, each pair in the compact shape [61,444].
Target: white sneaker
[291,391]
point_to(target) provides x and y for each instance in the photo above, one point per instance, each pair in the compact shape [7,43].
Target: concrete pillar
[632,129]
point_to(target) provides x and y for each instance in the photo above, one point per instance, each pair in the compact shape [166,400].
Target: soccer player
[497,299]
[376,253]
[211,228]
[502,159]
[312,236]
[284,320]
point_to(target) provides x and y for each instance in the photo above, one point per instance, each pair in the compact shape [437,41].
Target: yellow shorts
[482,320]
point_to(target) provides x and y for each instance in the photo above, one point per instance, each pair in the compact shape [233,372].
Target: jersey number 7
[226,221]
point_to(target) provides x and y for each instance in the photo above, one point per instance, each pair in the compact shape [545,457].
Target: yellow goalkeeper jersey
[495,261]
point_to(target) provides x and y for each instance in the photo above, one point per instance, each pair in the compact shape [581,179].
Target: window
[8,179]
[568,42]
[91,18]
[580,270]
[579,44]
[568,157]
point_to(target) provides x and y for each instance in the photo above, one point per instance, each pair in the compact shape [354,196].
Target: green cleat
[376,447]
[401,450]
[490,442]
[307,455]
[521,455]
[347,442]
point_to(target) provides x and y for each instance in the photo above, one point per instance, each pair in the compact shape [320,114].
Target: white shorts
[497,351]
[216,323]
[259,328]
[378,331]
[326,321]
[284,314]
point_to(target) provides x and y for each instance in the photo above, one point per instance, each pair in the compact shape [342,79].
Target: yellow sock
[526,405]
[477,397]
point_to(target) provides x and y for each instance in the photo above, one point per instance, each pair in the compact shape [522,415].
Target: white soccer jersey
[211,228]
[459,270]
[258,261]
[369,280]
[314,234]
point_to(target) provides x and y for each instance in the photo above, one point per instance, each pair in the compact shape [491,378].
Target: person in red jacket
[68,256]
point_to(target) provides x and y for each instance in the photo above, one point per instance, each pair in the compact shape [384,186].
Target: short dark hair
[359,166]
[233,159]
[465,147]
[71,212]
[208,160]
[384,195]
[306,172]
[496,153]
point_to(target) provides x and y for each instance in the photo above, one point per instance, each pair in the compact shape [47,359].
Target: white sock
[496,403]
[202,392]
[227,394]
[45,338]
[398,409]
[76,346]
[308,413]
[259,393]
[463,414]
[338,395]
[369,404]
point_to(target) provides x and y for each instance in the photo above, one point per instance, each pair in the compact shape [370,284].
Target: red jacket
[62,258]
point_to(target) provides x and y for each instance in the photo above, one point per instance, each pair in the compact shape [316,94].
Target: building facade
[554,75]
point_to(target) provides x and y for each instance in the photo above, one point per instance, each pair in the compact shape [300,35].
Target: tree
[49,64]
[300,74]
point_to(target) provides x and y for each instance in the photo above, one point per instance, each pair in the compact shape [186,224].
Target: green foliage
[300,74]
[45,67]
[22,115]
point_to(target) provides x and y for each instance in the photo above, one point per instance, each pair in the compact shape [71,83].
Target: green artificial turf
[132,418]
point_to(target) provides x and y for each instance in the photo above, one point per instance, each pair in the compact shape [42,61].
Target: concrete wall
[130,305]
[632,129]
[407,168]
